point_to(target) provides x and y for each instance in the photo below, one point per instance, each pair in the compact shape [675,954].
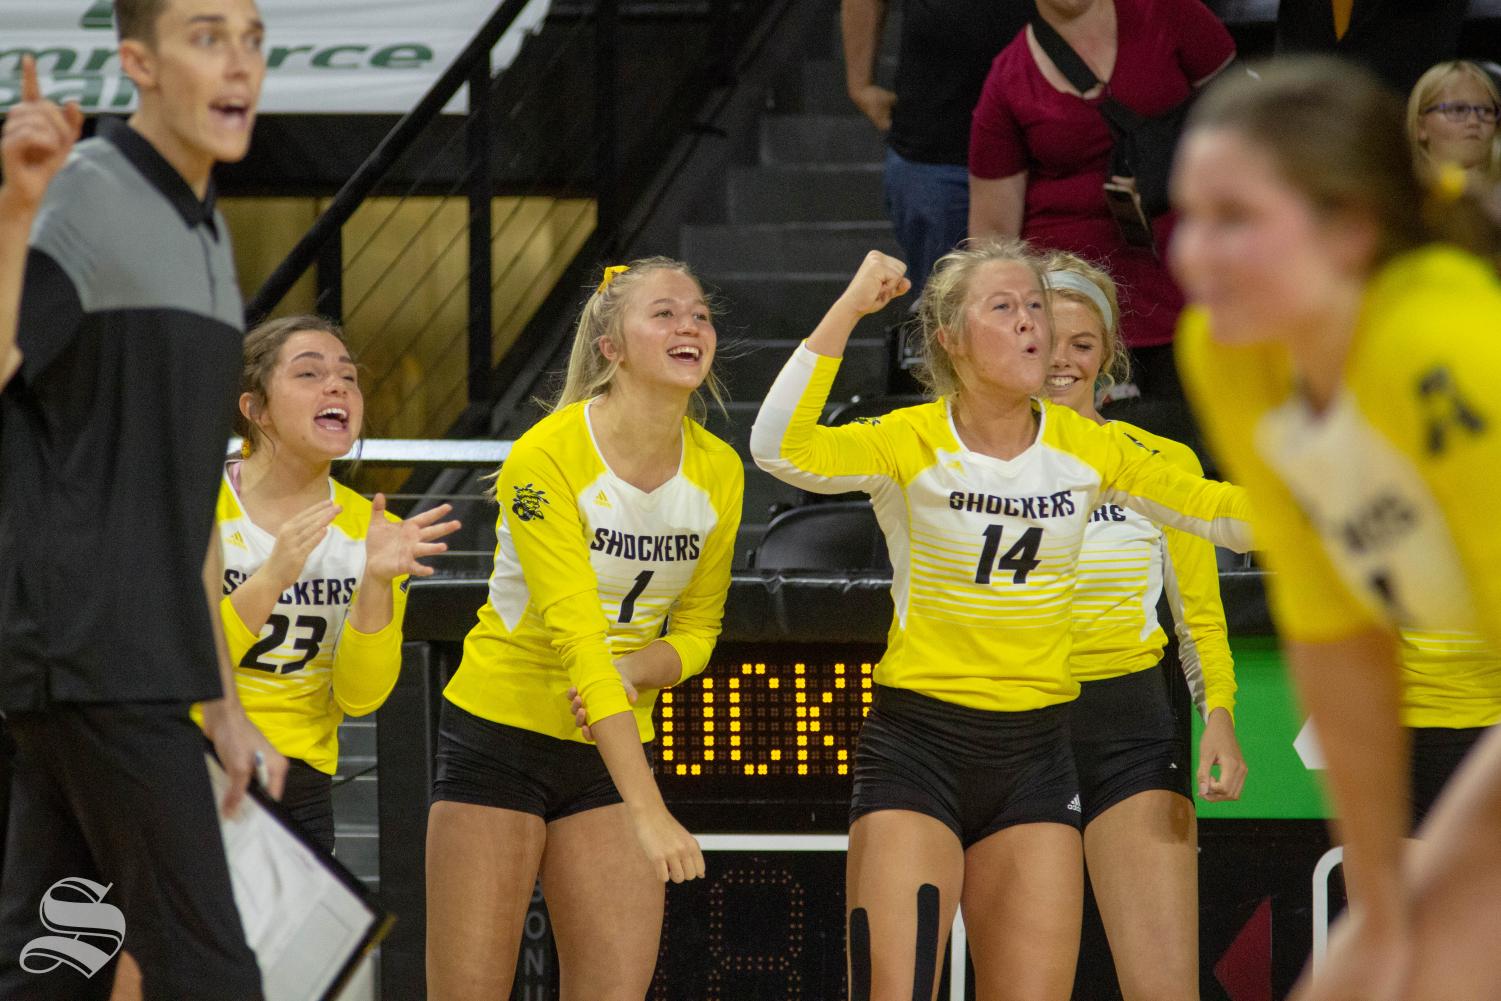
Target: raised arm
[36,141]
[786,439]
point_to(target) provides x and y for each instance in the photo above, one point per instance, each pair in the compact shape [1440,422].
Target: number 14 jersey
[984,551]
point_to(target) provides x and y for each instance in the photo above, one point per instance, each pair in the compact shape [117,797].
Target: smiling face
[1078,353]
[1252,249]
[200,77]
[1002,350]
[312,405]
[667,336]
[1466,142]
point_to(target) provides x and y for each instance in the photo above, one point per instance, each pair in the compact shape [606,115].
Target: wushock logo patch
[528,502]
[87,931]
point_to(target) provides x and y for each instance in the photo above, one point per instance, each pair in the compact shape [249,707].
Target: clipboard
[307,918]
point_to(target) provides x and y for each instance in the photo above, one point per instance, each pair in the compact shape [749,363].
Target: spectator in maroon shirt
[1039,151]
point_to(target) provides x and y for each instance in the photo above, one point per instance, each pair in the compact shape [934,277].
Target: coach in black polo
[123,372]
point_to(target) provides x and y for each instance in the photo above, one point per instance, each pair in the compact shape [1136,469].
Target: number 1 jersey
[589,568]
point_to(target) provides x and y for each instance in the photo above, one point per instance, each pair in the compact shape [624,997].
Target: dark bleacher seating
[839,535]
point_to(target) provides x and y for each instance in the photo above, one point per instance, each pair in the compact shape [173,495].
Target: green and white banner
[323,56]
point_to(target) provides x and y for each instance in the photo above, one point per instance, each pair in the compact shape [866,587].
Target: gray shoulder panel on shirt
[125,246]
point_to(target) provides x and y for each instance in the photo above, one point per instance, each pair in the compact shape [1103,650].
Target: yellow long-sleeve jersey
[1377,511]
[308,667]
[1127,563]
[984,551]
[589,568]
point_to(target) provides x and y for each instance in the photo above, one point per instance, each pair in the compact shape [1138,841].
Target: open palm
[395,548]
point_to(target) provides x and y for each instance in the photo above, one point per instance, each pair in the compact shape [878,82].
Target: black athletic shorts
[118,794]
[1126,740]
[511,768]
[975,770]
[1437,753]
[308,798]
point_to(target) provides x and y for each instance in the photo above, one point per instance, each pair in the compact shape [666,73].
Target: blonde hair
[1115,365]
[1426,91]
[589,372]
[943,300]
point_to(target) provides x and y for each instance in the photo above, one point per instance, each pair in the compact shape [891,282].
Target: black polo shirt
[112,435]
[944,54]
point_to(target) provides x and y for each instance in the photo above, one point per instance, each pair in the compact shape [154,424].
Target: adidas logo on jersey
[1075,805]
[602,500]
[237,540]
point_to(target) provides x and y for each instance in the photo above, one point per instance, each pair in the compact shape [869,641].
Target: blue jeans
[929,208]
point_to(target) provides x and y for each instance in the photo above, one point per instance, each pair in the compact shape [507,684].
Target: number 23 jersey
[589,568]
[308,667]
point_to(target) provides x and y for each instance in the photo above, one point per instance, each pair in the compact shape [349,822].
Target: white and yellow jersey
[589,568]
[984,551]
[1127,563]
[1377,511]
[307,668]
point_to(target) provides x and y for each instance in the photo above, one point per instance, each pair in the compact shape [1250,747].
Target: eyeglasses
[1458,111]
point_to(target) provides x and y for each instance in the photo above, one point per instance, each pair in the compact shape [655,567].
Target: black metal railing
[560,141]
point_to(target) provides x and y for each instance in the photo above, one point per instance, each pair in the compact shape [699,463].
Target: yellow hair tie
[1450,182]
[611,273]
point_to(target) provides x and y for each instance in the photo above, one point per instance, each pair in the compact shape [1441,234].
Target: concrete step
[359,852]
[808,139]
[355,803]
[749,375]
[826,250]
[780,307]
[806,193]
[354,764]
[822,89]
[357,736]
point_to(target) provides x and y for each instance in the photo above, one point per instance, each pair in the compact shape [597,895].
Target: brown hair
[137,19]
[262,351]
[1335,133]
[1115,365]
[943,299]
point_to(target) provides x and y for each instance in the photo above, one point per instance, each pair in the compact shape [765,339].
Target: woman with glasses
[1451,118]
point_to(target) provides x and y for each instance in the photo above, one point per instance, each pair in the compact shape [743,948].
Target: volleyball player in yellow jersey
[1135,782]
[1342,366]
[315,576]
[1451,698]
[965,790]
[618,515]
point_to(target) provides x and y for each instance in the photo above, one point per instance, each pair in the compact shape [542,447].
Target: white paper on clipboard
[300,918]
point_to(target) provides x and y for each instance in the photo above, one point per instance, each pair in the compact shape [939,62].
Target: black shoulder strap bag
[1143,146]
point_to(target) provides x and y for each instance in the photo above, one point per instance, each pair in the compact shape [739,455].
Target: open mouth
[332,419]
[685,352]
[232,113]
[1061,381]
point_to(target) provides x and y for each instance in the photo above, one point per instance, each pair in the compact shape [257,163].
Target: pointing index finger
[31,89]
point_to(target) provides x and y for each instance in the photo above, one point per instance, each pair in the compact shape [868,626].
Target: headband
[611,273]
[1075,282]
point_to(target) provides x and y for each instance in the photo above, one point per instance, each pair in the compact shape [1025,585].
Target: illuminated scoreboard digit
[765,719]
